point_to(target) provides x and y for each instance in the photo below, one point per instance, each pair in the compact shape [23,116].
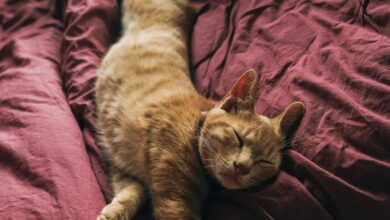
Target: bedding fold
[44,165]
[323,54]
[332,55]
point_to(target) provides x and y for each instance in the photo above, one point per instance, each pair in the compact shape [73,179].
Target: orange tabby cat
[161,135]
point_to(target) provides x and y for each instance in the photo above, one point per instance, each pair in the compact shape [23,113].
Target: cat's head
[238,147]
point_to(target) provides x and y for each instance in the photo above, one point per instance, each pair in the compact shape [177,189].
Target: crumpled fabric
[331,55]
[50,165]
[334,56]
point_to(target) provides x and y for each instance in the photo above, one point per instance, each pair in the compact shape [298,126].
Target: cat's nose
[240,169]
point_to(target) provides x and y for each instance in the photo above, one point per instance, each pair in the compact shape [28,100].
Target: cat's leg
[176,188]
[172,207]
[128,198]
[171,203]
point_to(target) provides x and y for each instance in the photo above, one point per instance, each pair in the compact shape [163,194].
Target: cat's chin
[230,182]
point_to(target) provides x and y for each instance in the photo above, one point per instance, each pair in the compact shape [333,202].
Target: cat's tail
[141,14]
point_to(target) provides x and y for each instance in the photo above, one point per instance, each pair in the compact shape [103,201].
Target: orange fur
[149,115]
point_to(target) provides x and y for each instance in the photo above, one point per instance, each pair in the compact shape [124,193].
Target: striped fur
[149,114]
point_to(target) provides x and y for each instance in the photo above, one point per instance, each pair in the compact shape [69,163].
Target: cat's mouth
[230,181]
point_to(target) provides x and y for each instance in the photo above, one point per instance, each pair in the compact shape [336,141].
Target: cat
[161,137]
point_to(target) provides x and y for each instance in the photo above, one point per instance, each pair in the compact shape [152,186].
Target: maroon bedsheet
[321,52]
[49,161]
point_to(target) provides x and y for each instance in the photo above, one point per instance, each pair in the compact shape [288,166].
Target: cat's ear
[202,118]
[288,117]
[243,94]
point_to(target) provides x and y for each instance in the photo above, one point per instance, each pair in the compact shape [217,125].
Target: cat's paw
[111,216]
[102,217]
[113,211]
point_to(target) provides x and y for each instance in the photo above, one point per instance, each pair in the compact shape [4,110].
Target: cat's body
[148,112]
[154,127]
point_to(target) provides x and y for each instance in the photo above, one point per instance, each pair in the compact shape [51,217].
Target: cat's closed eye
[264,161]
[239,139]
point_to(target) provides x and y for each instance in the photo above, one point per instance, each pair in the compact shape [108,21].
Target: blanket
[333,55]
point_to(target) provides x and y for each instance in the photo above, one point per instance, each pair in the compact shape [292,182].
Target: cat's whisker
[224,161]
[294,141]
[299,139]
[251,181]
[277,153]
[218,161]
[294,138]
[208,151]
[209,146]
[300,143]
[283,146]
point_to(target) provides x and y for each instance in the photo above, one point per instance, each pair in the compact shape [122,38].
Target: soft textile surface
[320,52]
[317,52]
[49,165]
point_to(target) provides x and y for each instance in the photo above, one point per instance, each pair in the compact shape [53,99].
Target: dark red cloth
[49,167]
[315,51]
[320,53]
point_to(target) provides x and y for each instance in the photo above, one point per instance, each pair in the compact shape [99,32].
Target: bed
[333,55]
